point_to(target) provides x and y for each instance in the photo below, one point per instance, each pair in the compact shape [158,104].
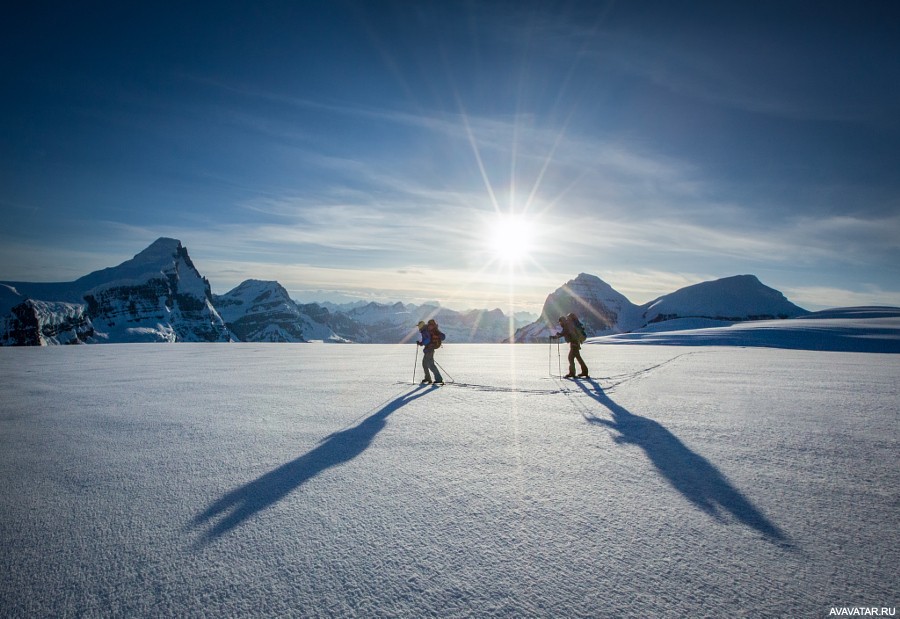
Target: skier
[431,340]
[573,331]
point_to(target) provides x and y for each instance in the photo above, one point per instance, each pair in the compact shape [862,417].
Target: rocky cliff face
[258,311]
[39,323]
[157,296]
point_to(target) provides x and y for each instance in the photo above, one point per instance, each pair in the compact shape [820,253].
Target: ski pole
[443,371]
[550,356]
[558,358]
[415,363]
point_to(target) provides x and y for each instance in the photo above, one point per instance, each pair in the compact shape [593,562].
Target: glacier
[319,481]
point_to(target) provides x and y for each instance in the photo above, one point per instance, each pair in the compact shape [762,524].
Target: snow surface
[852,329]
[684,324]
[317,481]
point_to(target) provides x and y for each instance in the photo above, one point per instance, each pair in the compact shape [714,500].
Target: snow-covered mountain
[157,296]
[604,311]
[520,318]
[738,298]
[338,322]
[262,311]
[600,308]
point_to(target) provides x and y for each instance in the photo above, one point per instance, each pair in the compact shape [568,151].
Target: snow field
[312,480]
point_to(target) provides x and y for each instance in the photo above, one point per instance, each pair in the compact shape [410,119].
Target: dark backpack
[578,330]
[437,338]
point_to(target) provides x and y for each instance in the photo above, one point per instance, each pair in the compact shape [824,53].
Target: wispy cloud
[598,197]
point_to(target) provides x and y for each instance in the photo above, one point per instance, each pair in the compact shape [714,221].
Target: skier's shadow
[691,474]
[242,503]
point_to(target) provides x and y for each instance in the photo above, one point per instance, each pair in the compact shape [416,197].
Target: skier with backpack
[431,341]
[575,335]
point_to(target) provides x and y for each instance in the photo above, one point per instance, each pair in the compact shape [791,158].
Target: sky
[476,153]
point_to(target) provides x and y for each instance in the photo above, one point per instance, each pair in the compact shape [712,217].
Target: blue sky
[373,149]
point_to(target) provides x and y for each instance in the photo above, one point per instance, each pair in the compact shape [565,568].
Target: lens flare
[511,238]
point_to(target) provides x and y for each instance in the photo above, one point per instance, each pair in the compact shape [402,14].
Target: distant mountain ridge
[737,298]
[159,296]
[262,311]
[604,311]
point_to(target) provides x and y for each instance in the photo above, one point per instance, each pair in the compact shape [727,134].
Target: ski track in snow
[606,383]
[265,480]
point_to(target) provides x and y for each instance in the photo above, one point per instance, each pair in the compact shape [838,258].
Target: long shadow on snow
[242,503]
[691,474]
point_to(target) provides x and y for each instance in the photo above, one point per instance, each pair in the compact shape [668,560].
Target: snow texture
[317,481]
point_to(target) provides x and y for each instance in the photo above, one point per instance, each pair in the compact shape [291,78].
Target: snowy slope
[316,481]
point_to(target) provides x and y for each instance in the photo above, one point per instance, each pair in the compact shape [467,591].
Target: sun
[511,238]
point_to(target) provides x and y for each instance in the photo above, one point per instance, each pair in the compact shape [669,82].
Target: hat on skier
[421,324]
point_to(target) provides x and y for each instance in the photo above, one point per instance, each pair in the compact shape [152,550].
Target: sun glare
[511,238]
